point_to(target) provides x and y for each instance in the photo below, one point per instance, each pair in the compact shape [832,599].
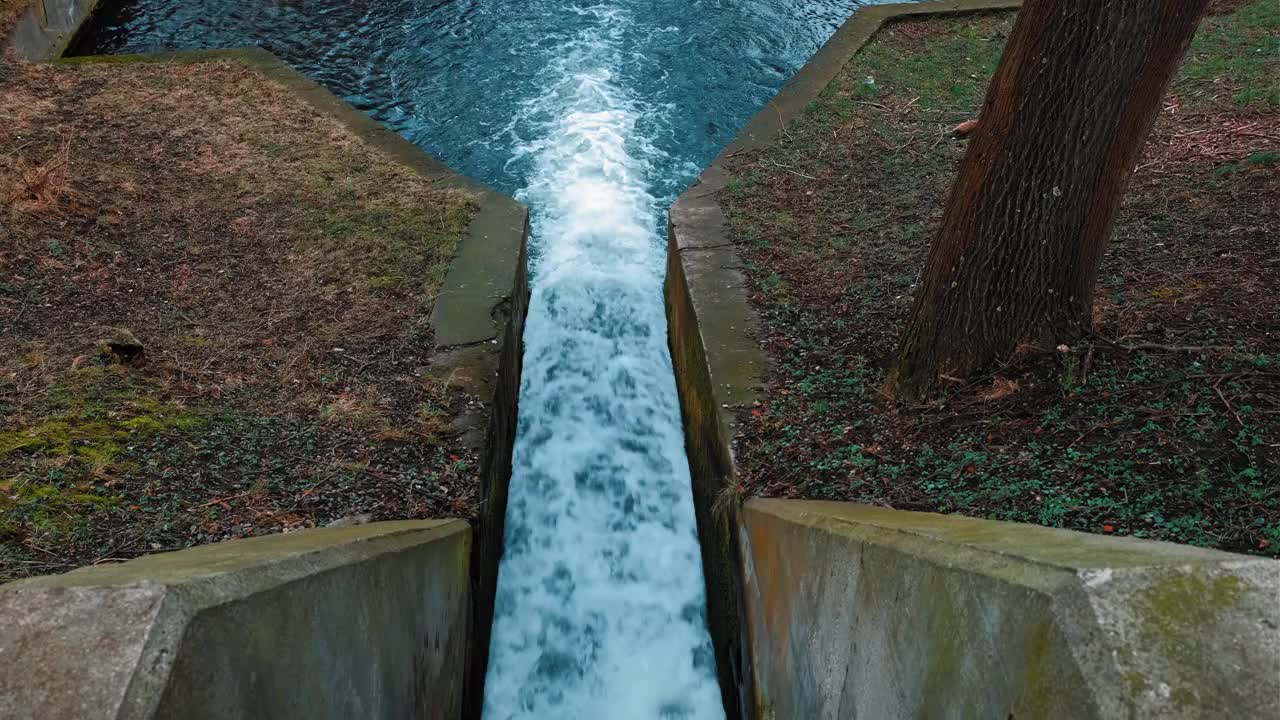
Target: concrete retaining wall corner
[863,612]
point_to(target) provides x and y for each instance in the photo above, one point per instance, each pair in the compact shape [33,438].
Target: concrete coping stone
[363,621]
[254,564]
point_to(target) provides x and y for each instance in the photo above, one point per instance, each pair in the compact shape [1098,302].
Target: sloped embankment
[277,273]
[1163,426]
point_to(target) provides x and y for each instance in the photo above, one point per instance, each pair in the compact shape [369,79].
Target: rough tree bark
[1025,226]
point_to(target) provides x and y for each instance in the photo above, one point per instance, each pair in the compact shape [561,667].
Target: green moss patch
[1164,425]
[87,420]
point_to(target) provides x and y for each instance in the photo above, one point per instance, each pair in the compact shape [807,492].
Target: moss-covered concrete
[710,462]
[858,611]
[369,621]
[495,478]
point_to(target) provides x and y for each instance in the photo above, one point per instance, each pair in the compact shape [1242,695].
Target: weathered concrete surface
[712,328]
[495,479]
[862,612]
[710,460]
[46,29]
[368,621]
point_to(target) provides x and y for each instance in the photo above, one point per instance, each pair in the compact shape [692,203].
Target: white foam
[601,603]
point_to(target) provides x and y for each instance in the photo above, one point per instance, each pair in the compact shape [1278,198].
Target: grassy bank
[1165,425]
[276,274]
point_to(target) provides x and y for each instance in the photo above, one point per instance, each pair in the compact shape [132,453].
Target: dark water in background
[597,115]
[456,76]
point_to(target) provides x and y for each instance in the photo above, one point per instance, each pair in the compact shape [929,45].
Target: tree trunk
[1077,90]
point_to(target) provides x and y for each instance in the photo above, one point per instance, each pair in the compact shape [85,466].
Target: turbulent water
[596,114]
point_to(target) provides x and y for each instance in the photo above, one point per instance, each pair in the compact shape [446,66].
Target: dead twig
[782,122]
[1227,402]
[223,500]
[793,172]
[1164,348]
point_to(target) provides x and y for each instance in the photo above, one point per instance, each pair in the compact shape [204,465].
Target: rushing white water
[601,603]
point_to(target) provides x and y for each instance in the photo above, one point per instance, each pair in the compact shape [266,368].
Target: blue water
[597,115]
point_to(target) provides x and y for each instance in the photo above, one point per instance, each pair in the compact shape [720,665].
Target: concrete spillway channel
[601,126]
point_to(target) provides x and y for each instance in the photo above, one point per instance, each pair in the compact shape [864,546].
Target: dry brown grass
[1201,140]
[280,272]
[278,233]
[40,187]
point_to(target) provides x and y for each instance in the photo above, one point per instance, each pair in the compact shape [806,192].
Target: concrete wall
[862,612]
[362,622]
[495,478]
[691,302]
[46,29]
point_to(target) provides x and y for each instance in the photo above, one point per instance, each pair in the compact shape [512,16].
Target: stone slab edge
[141,639]
[47,28]
[478,318]
[860,611]
[712,332]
